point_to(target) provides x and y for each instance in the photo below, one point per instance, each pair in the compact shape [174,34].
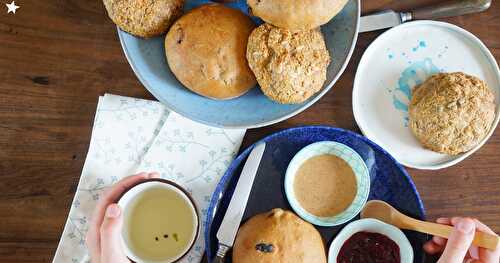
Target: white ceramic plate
[374,226]
[402,58]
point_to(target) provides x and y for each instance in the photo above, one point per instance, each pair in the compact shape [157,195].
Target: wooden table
[57,57]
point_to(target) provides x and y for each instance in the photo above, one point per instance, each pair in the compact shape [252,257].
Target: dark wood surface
[58,56]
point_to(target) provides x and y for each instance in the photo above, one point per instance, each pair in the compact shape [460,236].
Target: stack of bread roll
[216,51]
[288,54]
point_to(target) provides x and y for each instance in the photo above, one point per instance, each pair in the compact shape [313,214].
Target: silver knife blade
[234,213]
[381,20]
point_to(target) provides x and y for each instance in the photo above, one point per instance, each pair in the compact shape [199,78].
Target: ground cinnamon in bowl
[325,185]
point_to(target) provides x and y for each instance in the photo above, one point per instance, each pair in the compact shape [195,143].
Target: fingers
[93,236]
[436,244]
[111,247]
[93,245]
[459,241]
[432,248]
[483,228]
[486,255]
[118,188]
[93,240]
[114,192]
[440,241]
[444,221]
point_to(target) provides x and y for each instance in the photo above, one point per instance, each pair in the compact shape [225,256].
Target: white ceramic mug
[154,225]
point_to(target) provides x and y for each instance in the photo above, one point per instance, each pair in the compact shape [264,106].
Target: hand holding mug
[104,235]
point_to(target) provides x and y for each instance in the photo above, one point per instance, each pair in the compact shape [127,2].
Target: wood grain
[58,56]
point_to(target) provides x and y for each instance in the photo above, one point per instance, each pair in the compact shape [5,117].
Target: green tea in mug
[160,224]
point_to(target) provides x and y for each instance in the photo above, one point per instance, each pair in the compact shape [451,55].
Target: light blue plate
[357,165]
[147,59]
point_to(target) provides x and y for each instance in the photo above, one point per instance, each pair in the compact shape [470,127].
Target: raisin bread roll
[206,51]
[278,236]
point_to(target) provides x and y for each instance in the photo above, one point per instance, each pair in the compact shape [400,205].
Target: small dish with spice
[327,183]
[370,239]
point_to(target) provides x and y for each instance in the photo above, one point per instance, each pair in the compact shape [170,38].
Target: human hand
[457,248]
[103,237]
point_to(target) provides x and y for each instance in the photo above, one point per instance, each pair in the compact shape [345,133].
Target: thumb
[111,246]
[459,241]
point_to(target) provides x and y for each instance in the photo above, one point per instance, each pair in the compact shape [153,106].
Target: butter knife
[234,213]
[390,18]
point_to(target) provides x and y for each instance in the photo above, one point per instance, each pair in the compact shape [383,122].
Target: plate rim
[254,125]
[224,179]
[469,36]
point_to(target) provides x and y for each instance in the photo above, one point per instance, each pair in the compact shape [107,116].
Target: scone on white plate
[451,113]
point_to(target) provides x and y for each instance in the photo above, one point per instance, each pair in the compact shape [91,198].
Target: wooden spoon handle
[481,239]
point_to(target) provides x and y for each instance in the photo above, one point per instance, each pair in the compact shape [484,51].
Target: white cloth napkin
[132,135]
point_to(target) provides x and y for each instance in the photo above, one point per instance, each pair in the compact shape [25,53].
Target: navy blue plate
[389,181]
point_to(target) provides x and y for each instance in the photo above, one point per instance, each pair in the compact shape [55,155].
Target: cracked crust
[278,236]
[451,113]
[144,18]
[296,15]
[290,66]
[206,48]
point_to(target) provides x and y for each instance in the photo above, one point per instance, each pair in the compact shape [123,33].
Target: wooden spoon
[386,213]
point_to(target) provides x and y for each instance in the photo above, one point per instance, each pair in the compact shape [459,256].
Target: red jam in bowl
[366,247]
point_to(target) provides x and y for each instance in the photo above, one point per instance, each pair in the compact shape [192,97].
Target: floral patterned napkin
[132,135]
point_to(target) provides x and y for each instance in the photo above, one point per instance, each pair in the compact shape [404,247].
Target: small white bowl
[373,226]
[357,165]
[126,200]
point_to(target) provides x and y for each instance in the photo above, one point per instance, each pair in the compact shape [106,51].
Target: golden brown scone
[290,66]
[278,236]
[296,15]
[206,51]
[451,112]
[144,18]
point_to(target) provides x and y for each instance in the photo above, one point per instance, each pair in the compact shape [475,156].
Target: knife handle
[218,259]
[221,253]
[450,8]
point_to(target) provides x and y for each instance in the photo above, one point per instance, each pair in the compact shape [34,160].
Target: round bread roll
[144,18]
[451,113]
[206,49]
[290,66]
[278,236]
[296,15]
